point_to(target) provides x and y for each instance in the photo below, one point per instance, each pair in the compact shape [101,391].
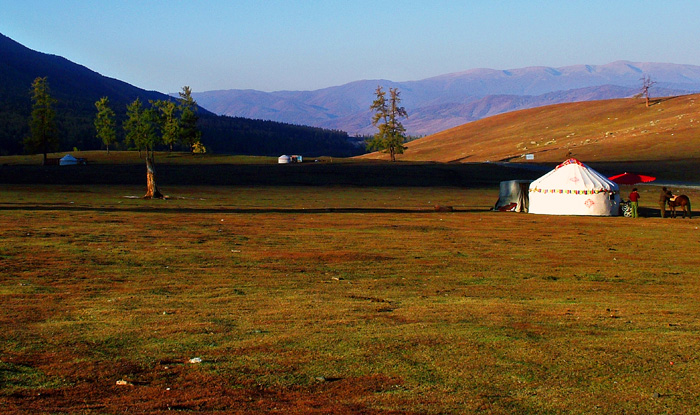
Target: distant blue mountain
[445,101]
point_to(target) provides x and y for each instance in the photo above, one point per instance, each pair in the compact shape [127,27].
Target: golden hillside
[610,130]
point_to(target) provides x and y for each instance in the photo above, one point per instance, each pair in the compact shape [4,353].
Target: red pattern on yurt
[569,191]
[570,161]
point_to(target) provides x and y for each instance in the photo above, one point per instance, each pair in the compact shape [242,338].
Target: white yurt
[68,160]
[283,159]
[513,196]
[573,188]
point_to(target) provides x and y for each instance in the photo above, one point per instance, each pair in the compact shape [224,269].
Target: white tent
[283,159]
[68,160]
[573,188]
[513,196]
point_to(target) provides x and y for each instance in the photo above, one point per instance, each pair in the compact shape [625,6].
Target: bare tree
[646,84]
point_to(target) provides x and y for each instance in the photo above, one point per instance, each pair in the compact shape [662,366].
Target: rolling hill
[77,88]
[446,101]
[600,131]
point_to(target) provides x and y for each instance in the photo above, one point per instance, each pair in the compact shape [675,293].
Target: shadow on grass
[307,174]
[229,210]
[656,213]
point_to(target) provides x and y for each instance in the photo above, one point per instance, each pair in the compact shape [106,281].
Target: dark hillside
[77,88]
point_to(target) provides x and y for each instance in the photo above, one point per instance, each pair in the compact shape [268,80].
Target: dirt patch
[191,391]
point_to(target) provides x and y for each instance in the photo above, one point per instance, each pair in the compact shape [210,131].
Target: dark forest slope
[76,89]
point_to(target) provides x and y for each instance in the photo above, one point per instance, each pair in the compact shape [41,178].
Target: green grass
[295,301]
[15,377]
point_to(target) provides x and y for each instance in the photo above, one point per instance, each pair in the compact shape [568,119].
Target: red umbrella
[631,178]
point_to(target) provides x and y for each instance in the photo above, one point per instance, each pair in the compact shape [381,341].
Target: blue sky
[303,45]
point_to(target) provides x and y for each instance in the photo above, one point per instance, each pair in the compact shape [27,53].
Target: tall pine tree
[387,114]
[104,122]
[42,124]
[168,122]
[190,136]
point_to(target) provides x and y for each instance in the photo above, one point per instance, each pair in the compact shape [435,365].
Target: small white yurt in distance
[513,196]
[283,159]
[573,188]
[67,160]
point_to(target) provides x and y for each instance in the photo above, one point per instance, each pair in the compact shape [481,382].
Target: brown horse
[681,201]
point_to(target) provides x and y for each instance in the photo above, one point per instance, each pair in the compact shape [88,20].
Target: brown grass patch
[343,312]
[593,131]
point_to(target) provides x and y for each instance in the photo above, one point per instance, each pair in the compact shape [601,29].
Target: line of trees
[164,122]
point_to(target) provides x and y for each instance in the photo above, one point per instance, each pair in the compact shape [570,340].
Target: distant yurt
[573,188]
[283,159]
[68,160]
[513,196]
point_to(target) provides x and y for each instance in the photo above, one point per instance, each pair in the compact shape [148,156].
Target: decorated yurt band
[571,192]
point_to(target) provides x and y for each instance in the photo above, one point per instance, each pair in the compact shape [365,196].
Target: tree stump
[152,191]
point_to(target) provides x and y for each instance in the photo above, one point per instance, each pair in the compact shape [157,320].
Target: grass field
[340,299]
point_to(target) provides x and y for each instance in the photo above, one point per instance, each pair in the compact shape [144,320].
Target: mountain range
[76,88]
[438,103]
[316,122]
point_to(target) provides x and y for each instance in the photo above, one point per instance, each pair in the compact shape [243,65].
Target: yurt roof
[573,175]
